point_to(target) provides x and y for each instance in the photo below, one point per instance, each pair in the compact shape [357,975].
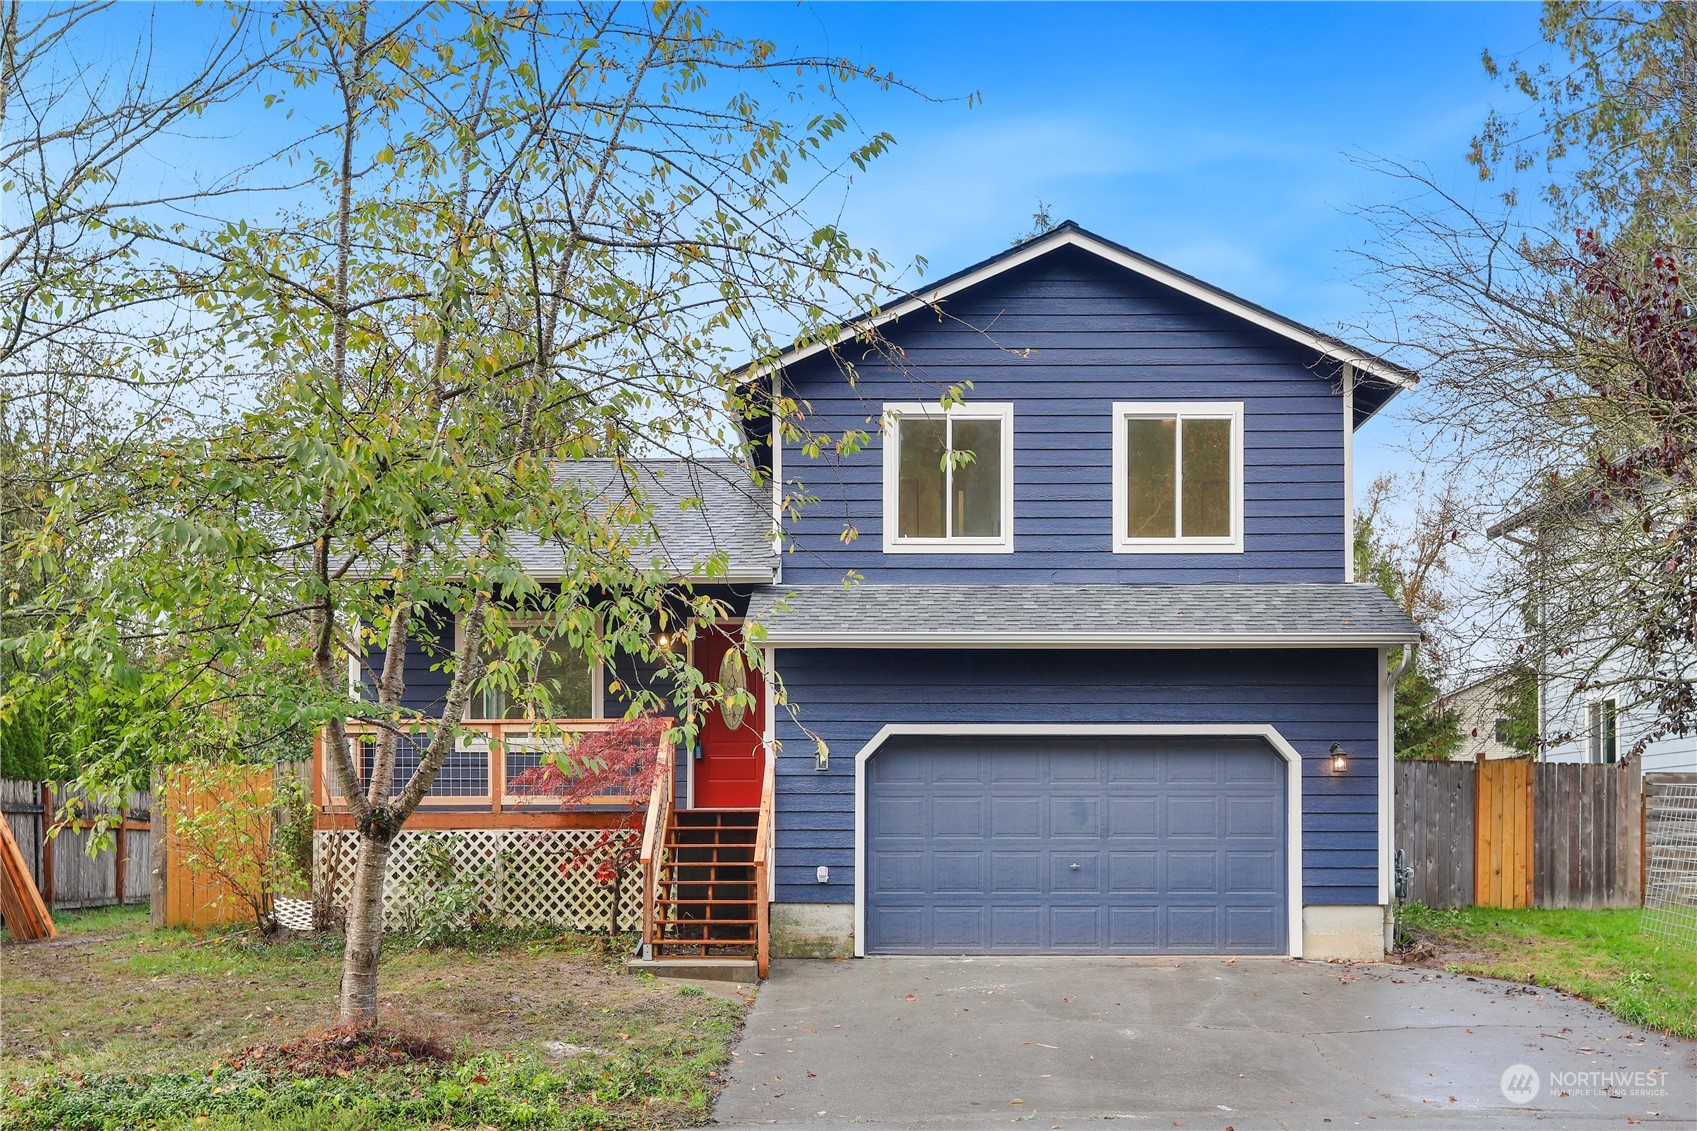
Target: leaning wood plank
[26,915]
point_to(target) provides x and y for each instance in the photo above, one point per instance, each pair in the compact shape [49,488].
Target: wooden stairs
[706,878]
[706,903]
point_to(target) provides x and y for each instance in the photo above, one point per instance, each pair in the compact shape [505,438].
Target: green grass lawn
[114,1025]
[1597,955]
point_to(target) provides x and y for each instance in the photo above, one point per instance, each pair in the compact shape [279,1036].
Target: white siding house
[1604,725]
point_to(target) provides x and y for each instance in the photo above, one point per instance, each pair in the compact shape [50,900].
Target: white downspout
[1387,793]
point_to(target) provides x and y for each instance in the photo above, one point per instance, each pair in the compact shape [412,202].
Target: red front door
[733,756]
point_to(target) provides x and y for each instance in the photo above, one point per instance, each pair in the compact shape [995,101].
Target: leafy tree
[534,235]
[1041,222]
[617,761]
[1607,125]
[1407,566]
[23,745]
[1517,705]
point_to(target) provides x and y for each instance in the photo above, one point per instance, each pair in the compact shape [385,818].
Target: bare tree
[78,234]
[1412,559]
[1556,357]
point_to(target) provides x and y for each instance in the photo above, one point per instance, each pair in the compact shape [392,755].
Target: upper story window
[1605,731]
[948,479]
[1178,477]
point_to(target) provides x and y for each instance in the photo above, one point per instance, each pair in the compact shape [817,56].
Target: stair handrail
[762,868]
[653,837]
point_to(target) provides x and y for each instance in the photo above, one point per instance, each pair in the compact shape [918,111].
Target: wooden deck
[475,788]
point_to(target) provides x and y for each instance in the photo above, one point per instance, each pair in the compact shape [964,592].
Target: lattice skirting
[518,872]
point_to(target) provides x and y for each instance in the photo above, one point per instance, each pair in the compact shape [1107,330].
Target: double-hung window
[948,478]
[1178,477]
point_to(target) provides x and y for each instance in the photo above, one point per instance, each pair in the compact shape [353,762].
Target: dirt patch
[343,1050]
[1432,951]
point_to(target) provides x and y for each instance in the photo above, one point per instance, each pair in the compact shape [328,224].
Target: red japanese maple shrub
[618,761]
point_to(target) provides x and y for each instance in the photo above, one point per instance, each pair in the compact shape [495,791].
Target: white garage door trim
[1293,790]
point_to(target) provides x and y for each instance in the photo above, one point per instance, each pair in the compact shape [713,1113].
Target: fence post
[157,893]
[47,846]
[120,854]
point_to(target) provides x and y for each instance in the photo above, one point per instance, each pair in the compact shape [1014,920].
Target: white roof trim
[781,639]
[1073,237]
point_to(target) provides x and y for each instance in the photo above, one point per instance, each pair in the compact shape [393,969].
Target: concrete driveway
[1194,1043]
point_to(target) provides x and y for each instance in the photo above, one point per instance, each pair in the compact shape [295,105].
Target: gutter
[1045,640]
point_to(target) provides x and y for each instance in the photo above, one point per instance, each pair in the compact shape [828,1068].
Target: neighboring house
[1603,725]
[1483,725]
[1602,721]
[1106,689]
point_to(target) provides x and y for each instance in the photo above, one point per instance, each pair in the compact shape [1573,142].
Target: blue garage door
[1076,846]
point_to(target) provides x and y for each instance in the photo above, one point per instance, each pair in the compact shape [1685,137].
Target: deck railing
[654,841]
[763,869]
[479,774]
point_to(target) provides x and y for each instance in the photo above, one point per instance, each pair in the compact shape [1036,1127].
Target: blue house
[1104,686]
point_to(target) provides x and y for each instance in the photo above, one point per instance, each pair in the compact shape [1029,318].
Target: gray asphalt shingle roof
[699,507]
[1199,615]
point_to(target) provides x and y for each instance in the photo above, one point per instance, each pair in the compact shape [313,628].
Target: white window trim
[893,544]
[597,672]
[1594,714]
[1216,410]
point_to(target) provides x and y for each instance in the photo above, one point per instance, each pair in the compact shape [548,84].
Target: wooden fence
[1433,800]
[1512,833]
[1588,841]
[1504,820]
[58,851]
[192,893]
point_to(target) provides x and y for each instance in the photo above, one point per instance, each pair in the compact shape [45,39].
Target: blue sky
[1216,137]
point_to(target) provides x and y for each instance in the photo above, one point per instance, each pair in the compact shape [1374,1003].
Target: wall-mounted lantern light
[1340,758]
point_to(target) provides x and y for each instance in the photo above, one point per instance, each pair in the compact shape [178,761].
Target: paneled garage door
[1038,845]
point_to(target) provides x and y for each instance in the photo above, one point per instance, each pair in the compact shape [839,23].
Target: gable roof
[697,508]
[1385,378]
[1098,615]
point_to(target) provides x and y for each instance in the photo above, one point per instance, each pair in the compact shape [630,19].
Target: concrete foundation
[812,930]
[826,930]
[1353,933]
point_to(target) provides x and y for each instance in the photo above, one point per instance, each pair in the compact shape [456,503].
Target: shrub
[229,833]
[448,895]
[617,761]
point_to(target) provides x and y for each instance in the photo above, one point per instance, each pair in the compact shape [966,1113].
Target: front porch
[694,883]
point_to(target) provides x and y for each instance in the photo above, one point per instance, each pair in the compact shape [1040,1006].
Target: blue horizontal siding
[1314,698]
[426,683]
[1063,338]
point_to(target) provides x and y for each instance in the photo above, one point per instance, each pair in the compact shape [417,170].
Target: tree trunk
[363,944]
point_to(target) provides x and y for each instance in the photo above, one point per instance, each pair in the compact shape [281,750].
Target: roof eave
[1071,234]
[1085,640]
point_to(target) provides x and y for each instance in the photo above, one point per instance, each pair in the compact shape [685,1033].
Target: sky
[1224,139]
[1220,138]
